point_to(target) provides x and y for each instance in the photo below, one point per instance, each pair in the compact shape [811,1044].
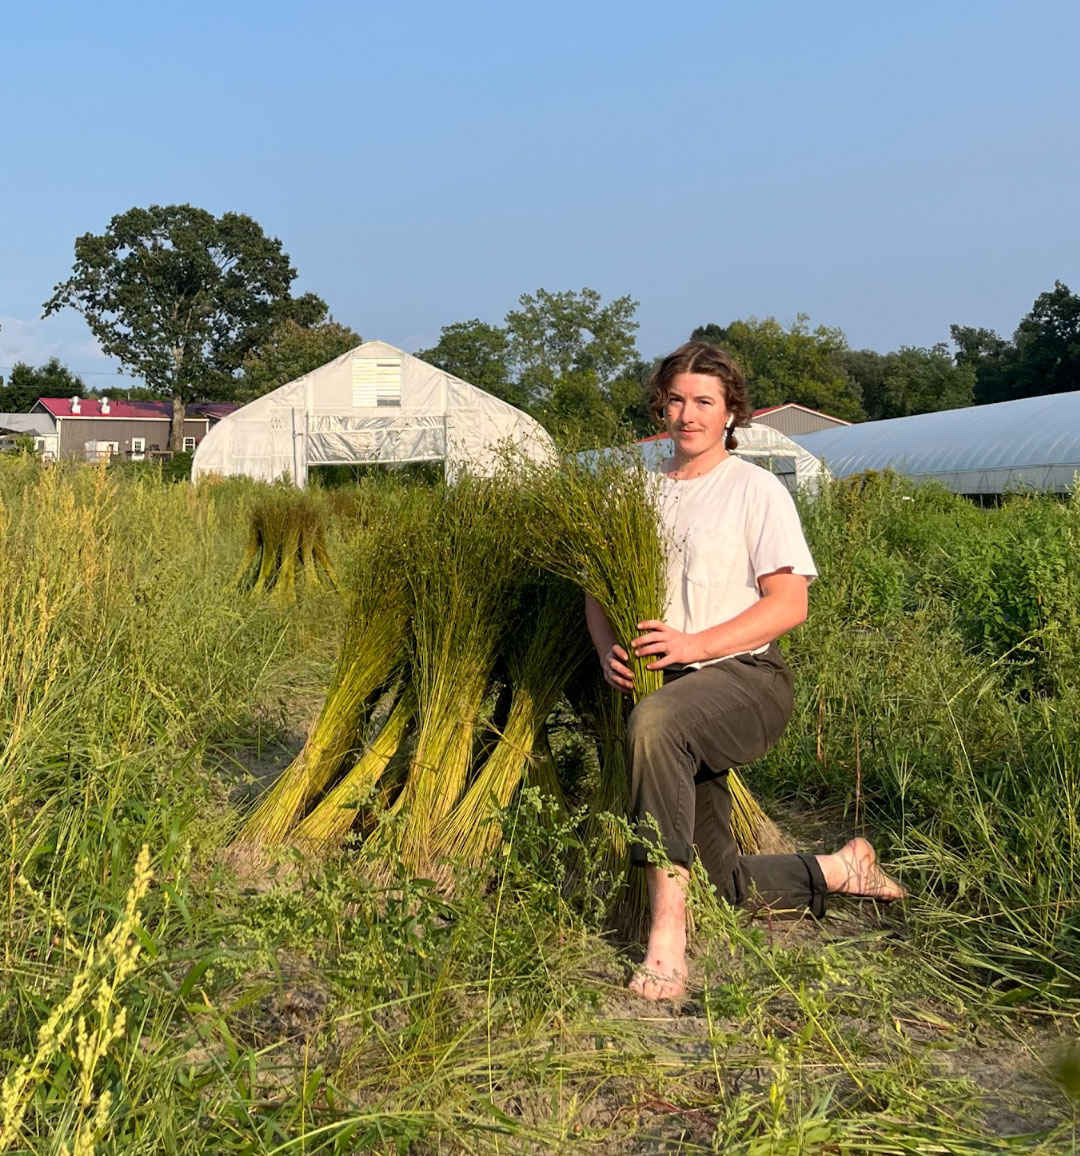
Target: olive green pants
[681,740]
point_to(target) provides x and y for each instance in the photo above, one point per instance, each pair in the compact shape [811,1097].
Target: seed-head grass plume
[81,1029]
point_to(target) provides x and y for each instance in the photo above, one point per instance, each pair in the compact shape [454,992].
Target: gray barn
[90,428]
[792,419]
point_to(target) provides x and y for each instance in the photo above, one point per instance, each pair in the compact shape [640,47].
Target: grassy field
[159,1001]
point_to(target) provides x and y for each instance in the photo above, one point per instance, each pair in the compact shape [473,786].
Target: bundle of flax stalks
[373,651]
[286,543]
[465,604]
[442,627]
[329,822]
[542,657]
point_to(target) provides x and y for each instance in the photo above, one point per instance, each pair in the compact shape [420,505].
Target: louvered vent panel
[376,381]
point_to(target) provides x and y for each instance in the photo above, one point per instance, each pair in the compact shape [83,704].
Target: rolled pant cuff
[675,850]
[819,890]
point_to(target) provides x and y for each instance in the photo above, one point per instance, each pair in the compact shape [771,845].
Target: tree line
[200,308]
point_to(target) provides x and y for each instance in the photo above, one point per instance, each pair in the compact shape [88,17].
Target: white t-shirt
[725,529]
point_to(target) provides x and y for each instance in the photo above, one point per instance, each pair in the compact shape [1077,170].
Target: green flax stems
[286,544]
[598,527]
[373,649]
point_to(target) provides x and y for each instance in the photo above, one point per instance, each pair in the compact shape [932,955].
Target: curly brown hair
[701,357]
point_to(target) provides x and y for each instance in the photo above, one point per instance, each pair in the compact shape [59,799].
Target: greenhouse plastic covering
[1032,443]
[374,404]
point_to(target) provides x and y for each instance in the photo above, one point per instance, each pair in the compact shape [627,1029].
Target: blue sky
[888,169]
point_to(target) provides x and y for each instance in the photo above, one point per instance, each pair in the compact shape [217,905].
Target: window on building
[189,445]
[138,445]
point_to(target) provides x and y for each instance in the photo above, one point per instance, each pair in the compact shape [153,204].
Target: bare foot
[663,974]
[854,870]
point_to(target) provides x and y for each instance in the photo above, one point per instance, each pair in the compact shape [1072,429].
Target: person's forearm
[600,630]
[757,626]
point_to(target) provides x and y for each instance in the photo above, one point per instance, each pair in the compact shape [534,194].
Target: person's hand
[616,672]
[659,638]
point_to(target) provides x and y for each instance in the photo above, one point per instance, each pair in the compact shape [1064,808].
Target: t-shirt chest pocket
[711,558]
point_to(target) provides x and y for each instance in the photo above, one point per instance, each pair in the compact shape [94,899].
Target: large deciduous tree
[910,380]
[566,358]
[576,363]
[989,355]
[553,335]
[792,364]
[289,352]
[1047,345]
[181,297]
[1042,357]
[477,353]
[26,384]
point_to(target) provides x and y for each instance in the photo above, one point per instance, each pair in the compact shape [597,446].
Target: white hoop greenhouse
[374,404]
[1031,443]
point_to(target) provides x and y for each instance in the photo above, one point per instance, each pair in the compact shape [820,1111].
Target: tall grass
[937,698]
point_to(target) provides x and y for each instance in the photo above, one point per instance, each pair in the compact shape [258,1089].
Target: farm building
[39,426]
[792,419]
[374,404]
[97,427]
[1030,443]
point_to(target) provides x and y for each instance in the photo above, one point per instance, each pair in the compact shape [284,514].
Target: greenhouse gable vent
[376,381]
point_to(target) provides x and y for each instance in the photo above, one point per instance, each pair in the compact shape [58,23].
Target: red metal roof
[91,407]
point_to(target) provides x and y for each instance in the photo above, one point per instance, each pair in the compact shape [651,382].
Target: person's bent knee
[651,723]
